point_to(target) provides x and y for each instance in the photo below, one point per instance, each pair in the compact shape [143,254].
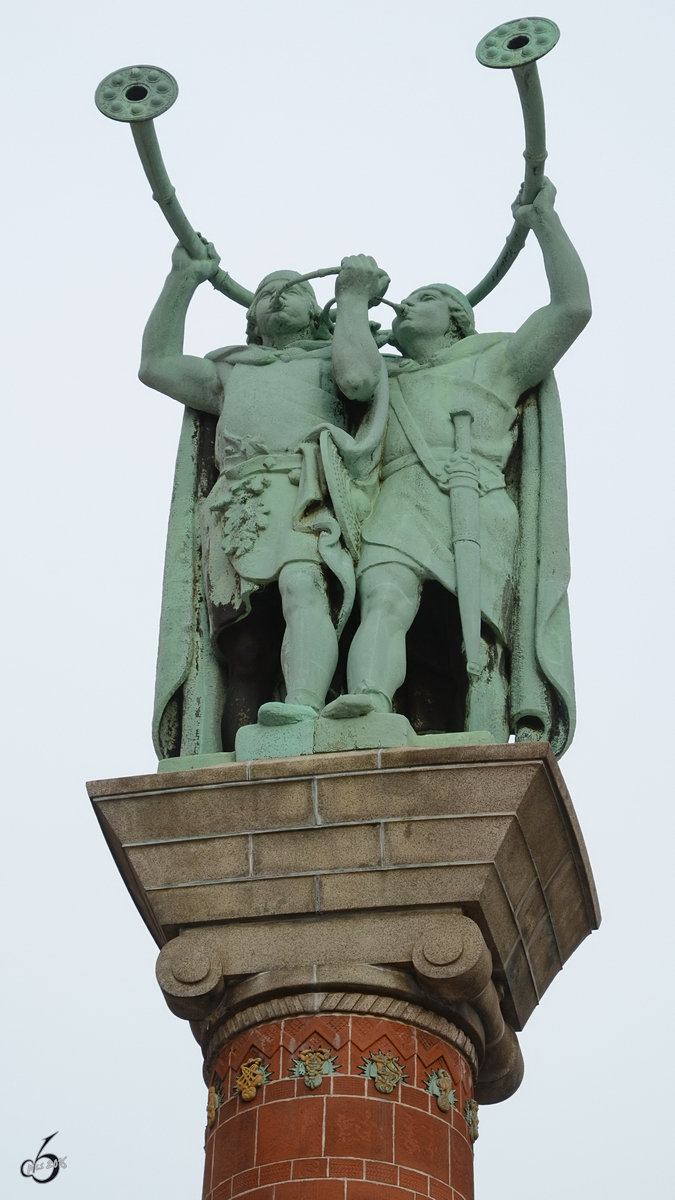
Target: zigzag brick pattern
[344,1140]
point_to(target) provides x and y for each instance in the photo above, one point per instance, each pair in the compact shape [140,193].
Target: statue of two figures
[366,548]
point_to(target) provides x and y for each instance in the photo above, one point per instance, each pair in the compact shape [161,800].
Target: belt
[262,462]
[491,478]
[408,460]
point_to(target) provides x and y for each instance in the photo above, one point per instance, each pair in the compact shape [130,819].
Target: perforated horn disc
[517,42]
[136,93]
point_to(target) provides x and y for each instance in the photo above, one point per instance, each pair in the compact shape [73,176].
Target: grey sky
[304,132]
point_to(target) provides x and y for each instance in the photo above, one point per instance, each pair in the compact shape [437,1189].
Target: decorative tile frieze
[433,1032]
[384,1068]
[312,1065]
[439,1083]
[215,1100]
[471,1117]
[252,1075]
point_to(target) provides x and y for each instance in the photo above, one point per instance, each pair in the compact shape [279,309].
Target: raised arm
[542,340]
[193,381]
[356,359]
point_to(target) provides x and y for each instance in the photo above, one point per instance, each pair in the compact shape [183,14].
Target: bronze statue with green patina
[517,676]
[268,529]
[441,490]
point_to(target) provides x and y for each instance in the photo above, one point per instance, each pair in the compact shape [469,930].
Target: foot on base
[276,713]
[358,705]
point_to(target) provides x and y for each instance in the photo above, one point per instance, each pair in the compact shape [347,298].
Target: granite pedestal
[394,913]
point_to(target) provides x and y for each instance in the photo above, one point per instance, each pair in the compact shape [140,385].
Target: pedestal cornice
[451,880]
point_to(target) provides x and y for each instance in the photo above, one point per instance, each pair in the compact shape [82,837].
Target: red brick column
[344,1139]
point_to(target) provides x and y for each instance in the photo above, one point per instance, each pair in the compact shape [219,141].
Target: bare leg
[390,596]
[309,652]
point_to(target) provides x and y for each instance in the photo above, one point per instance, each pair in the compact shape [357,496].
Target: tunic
[268,506]
[411,520]
[522,514]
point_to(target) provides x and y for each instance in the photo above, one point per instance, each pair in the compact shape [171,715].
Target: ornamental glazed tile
[384,1068]
[313,1065]
[440,1084]
[253,1074]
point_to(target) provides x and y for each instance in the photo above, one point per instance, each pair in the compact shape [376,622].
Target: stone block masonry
[356,939]
[284,864]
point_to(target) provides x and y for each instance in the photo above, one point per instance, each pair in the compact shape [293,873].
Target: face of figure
[290,315]
[425,314]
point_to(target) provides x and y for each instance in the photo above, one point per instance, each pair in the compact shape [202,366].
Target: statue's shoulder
[261,356]
[393,362]
[227,358]
[226,354]
[483,355]
[488,348]
[483,343]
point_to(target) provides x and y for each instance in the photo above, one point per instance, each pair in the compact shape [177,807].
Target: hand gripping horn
[518,45]
[137,95]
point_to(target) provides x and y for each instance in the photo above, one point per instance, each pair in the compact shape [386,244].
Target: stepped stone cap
[276,866]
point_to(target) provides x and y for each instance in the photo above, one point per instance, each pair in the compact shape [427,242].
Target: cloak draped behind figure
[189,692]
[542,675]
[189,684]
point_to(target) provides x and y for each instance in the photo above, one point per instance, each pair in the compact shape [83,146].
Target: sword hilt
[462,421]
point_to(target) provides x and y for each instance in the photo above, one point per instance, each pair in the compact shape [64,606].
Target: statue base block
[274,741]
[325,735]
[385,730]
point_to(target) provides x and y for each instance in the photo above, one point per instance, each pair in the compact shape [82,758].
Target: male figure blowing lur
[268,519]
[524,684]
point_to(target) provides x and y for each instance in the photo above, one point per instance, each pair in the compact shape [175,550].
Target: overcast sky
[305,131]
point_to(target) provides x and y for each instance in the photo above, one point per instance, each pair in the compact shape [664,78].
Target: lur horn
[137,95]
[518,45]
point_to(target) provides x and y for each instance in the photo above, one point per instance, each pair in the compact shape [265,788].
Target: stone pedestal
[355,939]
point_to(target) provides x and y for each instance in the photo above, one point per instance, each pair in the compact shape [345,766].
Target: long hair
[461,311]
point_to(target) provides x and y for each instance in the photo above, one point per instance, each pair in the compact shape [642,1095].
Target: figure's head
[438,311]
[295,315]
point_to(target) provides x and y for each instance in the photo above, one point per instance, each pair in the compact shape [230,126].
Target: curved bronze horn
[321,273]
[137,95]
[518,45]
